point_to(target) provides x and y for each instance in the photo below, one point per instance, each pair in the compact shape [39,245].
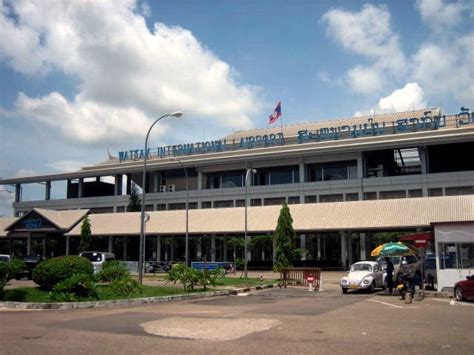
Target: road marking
[243,294]
[387,304]
[453,302]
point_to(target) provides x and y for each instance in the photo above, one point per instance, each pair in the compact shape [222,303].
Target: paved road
[285,321]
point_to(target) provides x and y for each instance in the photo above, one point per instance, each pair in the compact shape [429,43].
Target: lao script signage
[32,223]
[369,128]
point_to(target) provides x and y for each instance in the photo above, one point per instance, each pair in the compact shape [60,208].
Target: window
[293,200]
[281,177]
[239,203]
[456,255]
[331,198]
[415,193]
[466,253]
[435,192]
[385,195]
[206,204]
[120,208]
[177,206]
[223,204]
[232,181]
[161,207]
[333,171]
[256,202]
[352,197]
[370,195]
[311,199]
[462,190]
[274,201]
[448,256]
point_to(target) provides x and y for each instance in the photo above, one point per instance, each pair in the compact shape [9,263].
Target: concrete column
[423,160]
[198,248]
[17,192]
[117,185]
[80,188]
[224,248]
[68,243]
[343,249]
[363,246]
[43,247]
[158,248]
[302,171]
[213,248]
[172,248]
[303,245]
[129,183]
[125,242]
[199,180]
[28,245]
[47,190]
[274,249]
[111,244]
[349,248]
[360,175]
[249,251]
[156,182]
[318,239]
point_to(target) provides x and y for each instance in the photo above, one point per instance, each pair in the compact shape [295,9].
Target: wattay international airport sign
[369,128]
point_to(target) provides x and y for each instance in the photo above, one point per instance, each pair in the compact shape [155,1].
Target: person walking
[389,271]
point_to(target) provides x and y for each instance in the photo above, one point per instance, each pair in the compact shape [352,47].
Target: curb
[126,302]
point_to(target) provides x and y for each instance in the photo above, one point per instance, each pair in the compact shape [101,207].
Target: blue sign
[32,223]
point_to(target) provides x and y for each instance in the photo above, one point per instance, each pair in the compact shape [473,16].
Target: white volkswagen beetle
[364,275]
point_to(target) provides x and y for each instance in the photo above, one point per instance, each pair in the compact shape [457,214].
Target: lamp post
[253,171]
[141,251]
[186,242]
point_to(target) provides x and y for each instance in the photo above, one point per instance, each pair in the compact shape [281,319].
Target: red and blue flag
[276,114]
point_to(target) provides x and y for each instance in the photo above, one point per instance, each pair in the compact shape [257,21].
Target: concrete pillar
[303,245]
[302,171]
[274,249]
[423,160]
[363,246]
[43,247]
[249,250]
[17,192]
[156,182]
[118,185]
[172,248]
[349,248]
[28,245]
[360,175]
[198,248]
[68,243]
[318,239]
[129,184]
[111,244]
[199,180]
[224,248]
[213,248]
[47,190]
[125,242]
[158,248]
[80,188]
[343,249]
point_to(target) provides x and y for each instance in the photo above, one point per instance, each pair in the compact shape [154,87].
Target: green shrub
[113,270]
[76,287]
[8,271]
[126,287]
[53,271]
[190,278]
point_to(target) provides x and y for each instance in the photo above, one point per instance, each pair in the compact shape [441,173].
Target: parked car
[97,258]
[363,275]
[408,265]
[4,258]
[157,266]
[464,289]
[31,261]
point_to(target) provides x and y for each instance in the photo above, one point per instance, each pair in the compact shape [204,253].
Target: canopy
[391,248]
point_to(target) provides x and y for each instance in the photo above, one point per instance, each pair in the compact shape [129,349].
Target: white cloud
[127,72]
[367,33]
[447,69]
[365,80]
[410,97]
[6,200]
[440,14]
[25,173]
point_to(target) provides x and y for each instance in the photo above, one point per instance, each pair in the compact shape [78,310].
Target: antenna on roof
[111,157]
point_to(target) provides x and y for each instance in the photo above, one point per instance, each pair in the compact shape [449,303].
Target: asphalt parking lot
[282,321]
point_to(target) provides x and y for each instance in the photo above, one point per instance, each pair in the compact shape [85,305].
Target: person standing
[389,271]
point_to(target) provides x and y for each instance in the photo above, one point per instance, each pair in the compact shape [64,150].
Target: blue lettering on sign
[32,223]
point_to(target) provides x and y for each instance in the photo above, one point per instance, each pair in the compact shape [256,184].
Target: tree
[86,239]
[285,239]
[134,204]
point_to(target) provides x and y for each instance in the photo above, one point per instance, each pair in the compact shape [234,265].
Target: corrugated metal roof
[357,215]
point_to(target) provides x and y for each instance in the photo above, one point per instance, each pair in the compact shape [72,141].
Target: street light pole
[186,247]
[141,251]
[253,171]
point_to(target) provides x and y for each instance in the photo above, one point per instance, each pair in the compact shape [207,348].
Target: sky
[80,77]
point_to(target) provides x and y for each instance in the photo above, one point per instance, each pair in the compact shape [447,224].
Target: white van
[97,258]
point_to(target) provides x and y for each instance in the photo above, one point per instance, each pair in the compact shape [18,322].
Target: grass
[242,282]
[29,294]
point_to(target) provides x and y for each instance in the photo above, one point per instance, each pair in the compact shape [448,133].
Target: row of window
[456,255]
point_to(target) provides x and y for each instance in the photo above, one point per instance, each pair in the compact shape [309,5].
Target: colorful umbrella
[393,249]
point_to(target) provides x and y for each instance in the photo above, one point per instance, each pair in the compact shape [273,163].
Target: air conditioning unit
[171,188]
[163,188]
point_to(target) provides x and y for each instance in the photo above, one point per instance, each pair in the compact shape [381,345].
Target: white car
[364,275]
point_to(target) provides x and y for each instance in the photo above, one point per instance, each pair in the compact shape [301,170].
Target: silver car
[363,275]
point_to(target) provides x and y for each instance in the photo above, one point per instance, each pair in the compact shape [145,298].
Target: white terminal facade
[405,155]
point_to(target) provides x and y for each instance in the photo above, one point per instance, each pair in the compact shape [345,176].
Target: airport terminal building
[400,162]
